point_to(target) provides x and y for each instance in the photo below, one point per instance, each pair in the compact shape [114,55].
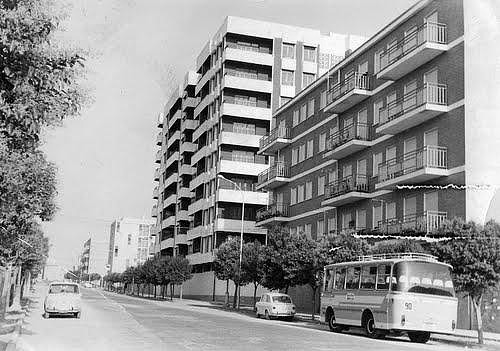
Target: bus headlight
[403,319]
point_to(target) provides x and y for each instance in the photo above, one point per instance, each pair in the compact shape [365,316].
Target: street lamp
[241,233]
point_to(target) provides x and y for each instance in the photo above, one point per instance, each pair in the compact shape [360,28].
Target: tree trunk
[16,304]
[476,301]
[255,285]
[314,289]
[155,291]
[180,293]
[286,290]
[235,297]
[171,292]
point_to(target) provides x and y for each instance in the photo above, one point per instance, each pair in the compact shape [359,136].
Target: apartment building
[207,171]
[395,138]
[130,243]
[93,258]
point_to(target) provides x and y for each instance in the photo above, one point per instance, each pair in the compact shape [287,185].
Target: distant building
[129,243]
[94,257]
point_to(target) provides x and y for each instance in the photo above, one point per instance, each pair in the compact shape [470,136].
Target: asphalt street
[116,322]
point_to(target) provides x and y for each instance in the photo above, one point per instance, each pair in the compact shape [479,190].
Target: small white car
[88,285]
[275,305]
[62,299]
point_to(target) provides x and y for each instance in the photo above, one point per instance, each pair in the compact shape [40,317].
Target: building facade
[394,139]
[94,257]
[210,132]
[130,243]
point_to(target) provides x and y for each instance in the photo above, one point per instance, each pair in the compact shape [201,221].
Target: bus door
[348,311]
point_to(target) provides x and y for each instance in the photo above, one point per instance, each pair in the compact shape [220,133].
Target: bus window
[352,281]
[368,277]
[424,278]
[339,278]
[329,280]
[383,277]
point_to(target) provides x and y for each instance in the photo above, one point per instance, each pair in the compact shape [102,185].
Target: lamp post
[241,233]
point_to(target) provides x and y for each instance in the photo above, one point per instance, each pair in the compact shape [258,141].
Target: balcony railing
[355,81]
[248,47]
[240,129]
[428,156]
[243,186]
[244,158]
[353,131]
[358,183]
[277,209]
[430,93]
[428,33]
[247,75]
[279,169]
[425,222]
[276,133]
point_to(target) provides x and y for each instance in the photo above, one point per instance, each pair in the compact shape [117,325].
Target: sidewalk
[461,336]
[11,327]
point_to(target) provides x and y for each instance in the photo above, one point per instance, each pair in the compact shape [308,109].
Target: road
[117,322]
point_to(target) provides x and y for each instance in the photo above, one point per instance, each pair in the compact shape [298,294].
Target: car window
[282,299]
[63,288]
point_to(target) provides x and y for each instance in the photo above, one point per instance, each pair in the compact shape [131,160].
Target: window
[368,277]
[346,221]
[332,176]
[332,224]
[309,53]
[116,251]
[322,142]
[309,190]
[302,152]
[340,274]
[293,196]
[310,108]
[377,160]
[296,118]
[288,50]
[324,61]
[284,100]
[300,193]
[310,148]
[295,155]
[303,113]
[376,111]
[353,274]
[300,229]
[307,78]
[377,215]
[322,99]
[361,219]
[308,230]
[383,276]
[390,210]
[287,77]
[320,230]
[129,239]
[321,185]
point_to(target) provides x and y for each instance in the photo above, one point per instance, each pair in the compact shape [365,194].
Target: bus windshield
[423,277]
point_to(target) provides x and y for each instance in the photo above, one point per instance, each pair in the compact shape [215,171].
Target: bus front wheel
[369,326]
[334,327]
[420,337]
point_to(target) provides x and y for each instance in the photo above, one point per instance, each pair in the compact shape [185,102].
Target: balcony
[199,230]
[414,167]
[167,243]
[272,214]
[172,158]
[184,193]
[176,136]
[174,118]
[344,95]
[190,124]
[181,238]
[172,179]
[234,225]
[201,204]
[202,152]
[159,138]
[189,102]
[168,222]
[414,108]
[423,223]
[247,110]
[349,140]
[199,258]
[155,193]
[198,180]
[235,52]
[243,139]
[277,139]
[183,215]
[156,176]
[228,193]
[242,80]
[158,156]
[242,164]
[347,190]
[154,211]
[187,146]
[276,175]
[424,44]
[203,103]
[170,200]
[186,169]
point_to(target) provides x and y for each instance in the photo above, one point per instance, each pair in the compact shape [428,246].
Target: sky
[140,49]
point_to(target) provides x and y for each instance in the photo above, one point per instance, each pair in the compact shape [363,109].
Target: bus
[385,294]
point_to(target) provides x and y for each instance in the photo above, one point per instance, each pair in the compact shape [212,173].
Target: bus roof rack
[389,256]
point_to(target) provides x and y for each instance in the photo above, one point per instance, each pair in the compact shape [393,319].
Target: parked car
[88,285]
[62,299]
[275,305]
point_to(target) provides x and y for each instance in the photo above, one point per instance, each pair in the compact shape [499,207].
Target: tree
[474,253]
[95,276]
[395,246]
[162,276]
[226,264]
[252,265]
[39,78]
[178,271]
[149,271]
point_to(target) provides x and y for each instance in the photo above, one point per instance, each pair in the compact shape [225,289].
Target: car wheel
[266,315]
[420,337]
[332,324]
[78,315]
[370,328]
